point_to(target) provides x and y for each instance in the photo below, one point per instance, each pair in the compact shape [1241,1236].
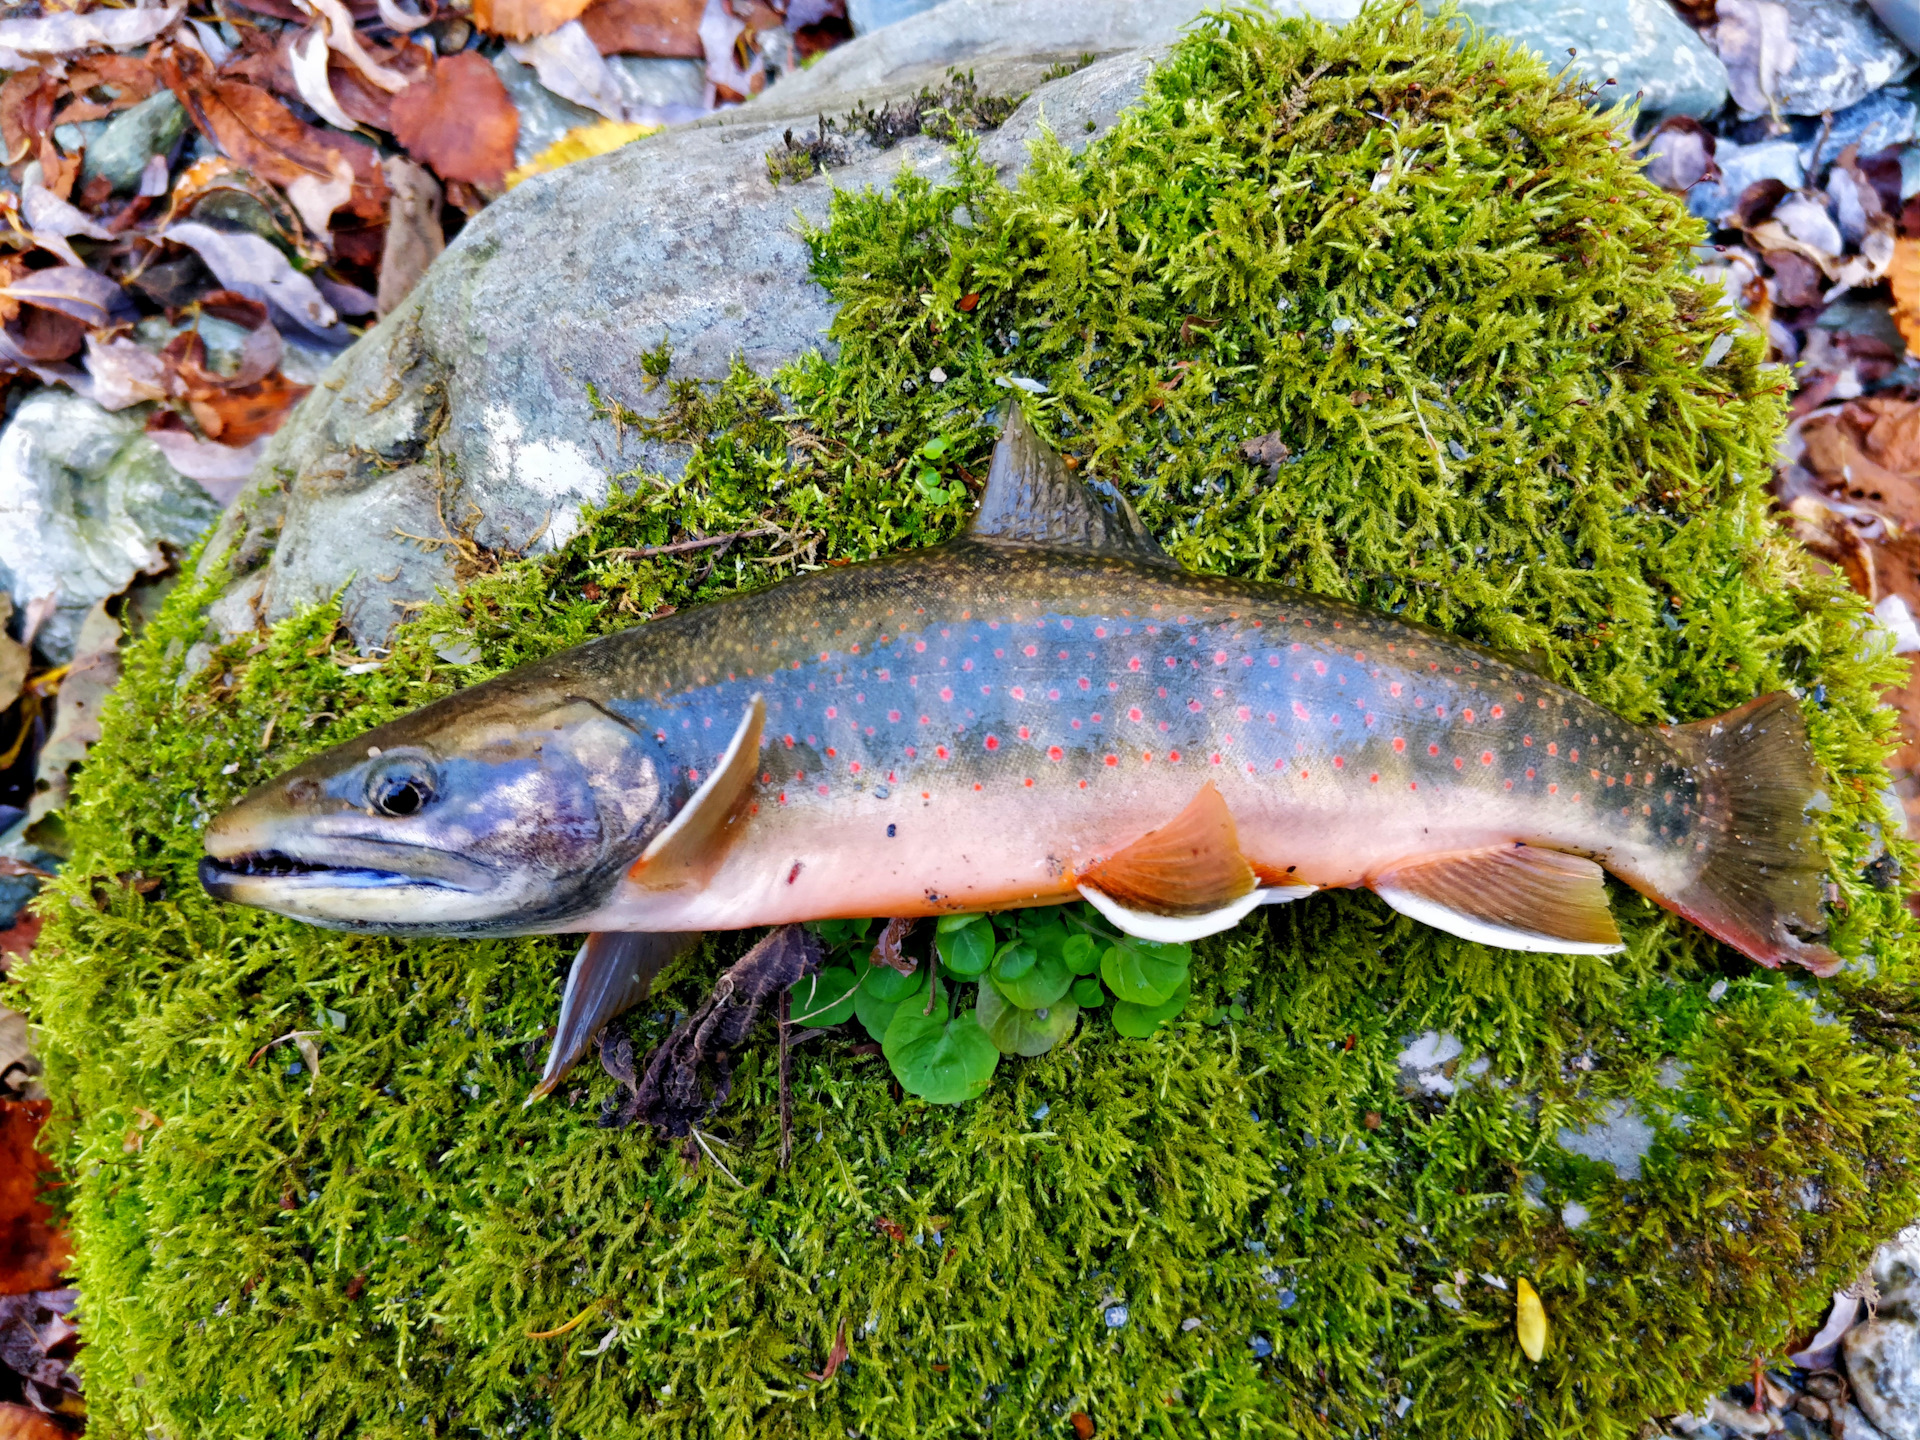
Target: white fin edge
[1418,907]
[721,777]
[1174,929]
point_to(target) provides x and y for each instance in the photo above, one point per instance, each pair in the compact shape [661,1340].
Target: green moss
[1470,324]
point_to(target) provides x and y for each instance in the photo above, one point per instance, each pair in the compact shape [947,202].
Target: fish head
[500,810]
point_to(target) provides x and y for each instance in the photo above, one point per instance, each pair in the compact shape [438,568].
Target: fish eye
[401,790]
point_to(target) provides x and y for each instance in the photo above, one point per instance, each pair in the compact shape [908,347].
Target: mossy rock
[1433,275]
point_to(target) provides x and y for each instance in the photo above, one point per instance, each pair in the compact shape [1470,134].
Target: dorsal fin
[1031,499]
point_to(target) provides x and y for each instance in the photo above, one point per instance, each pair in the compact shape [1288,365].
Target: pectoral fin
[1515,897]
[1182,881]
[690,847]
[611,974]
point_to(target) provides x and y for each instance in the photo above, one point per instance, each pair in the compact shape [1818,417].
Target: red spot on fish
[1023,732]
[1134,713]
[1553,789]
[1319,667]
[1458,763]
[1573,755]
[1085,683]
[993,742]
[925,721]
[1526,740]
[1498,711]
[1244,713]
[1394,689]
[1553,747]
[1173,757]
[783,800]
[694,775]
[1083,784]
[946,692]
[1339,762]
[1054,752]
[920,647]
[893,715]
[999,654]
[1100,632]
[986,689]
[940,751]
[1466,715]
[1113,760]
[789,740]
[1433,749]
[833,712]
[854,768]
[1374,778]
[823,655]
[1529,772]
[1303,774]
[911,752]
[1215,757]
[1627,780]
[976,785]
[1413,785]
[1219,657]
[1486,757]
[1028,782]
[821,788]
[966,664]
[1033,650]
[1134,663]
[1018,692]
[1274,660]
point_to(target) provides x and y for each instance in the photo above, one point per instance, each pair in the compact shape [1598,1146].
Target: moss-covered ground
[1435,277]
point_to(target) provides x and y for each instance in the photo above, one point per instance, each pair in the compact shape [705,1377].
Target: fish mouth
[222,878]
[262,876]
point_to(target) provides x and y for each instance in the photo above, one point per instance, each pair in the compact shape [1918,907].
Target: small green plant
[1034,972]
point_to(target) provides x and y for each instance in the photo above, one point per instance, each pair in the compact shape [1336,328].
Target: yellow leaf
[1904,274]
[1530,1321]
[581,144]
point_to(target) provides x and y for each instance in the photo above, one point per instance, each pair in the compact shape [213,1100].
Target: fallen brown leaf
[1904,275]
[459,120]
[242,415]
[16,942]
[414,234]
[26,110]
[524,19]
[668,28]
[20,1422]
[33,1254]
[836,1357]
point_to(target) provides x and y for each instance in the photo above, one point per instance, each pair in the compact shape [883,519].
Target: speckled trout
[1046,709]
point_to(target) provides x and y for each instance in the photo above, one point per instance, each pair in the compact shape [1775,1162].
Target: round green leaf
[967,949]
[947,924]
[1144,972]
[875,1014]
[1024,1032]
[1136,1022]
[1088,992]
[940,1058]
[883,982]
[1016,959]
[1037,984]
[1081,954]
[836,933]
[824,999]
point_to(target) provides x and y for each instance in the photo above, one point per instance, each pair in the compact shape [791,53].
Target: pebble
[133,137]
[1841,54]
[1740,166]
[1642,46]
[1883,1353]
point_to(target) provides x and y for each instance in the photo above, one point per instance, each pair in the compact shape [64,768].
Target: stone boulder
[478,383]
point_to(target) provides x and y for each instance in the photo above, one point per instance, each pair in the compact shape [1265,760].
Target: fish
[1043,710]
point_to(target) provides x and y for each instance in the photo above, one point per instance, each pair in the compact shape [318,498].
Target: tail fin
[1760,890]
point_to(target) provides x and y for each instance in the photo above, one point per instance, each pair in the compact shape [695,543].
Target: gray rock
[133,137]
[1883,1354]
[87,502]
[1842,54]
[1620,1137]
[1642,46]
[680,235]
[1885,118]
[1740,166]
[17,890]
[1902,17]
[870,15]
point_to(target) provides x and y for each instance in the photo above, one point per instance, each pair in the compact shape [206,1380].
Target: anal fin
[1181,881]
[1513,897]
[689,848]
[611,974]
